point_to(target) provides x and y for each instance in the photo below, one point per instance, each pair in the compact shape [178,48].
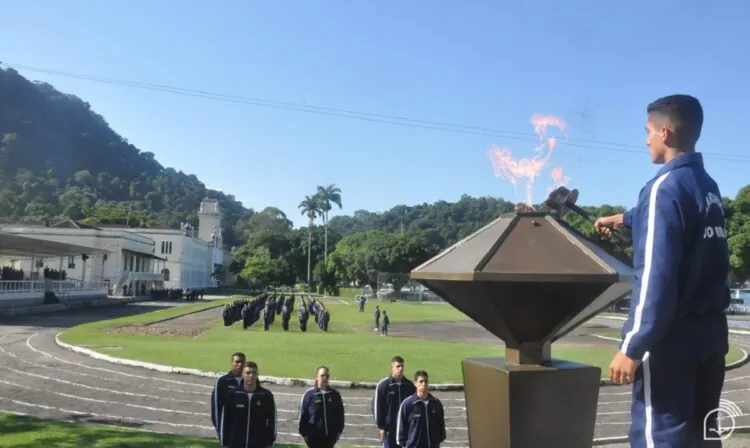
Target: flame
[528,169]
[559,178]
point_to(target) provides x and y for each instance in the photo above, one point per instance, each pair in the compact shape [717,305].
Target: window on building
[163,248]
[170,247]
[71,262]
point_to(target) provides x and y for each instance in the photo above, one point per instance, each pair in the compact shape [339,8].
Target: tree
[326,198]
[309,207]
[360,257]
[737,212]
[261,269]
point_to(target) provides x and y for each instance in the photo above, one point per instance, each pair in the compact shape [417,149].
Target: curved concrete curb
[444,387]
[740,362]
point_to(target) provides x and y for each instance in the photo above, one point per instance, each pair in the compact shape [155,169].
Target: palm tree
[309,207]
[327,197]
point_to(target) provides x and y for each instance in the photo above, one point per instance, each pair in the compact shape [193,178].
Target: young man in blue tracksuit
[225,384]
[421,417]
[676,336]
[390,392]
[321,413]
[250,413]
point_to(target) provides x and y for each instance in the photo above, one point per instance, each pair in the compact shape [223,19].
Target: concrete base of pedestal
[530,406]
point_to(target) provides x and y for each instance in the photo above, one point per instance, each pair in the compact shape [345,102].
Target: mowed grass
[23,432]
[735,353]
[351,349]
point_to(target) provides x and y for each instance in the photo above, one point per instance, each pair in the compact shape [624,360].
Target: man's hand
[622,369]
[606,224]
[382,434]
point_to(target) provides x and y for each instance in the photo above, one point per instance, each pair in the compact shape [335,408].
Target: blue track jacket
[681,263]
[421,423]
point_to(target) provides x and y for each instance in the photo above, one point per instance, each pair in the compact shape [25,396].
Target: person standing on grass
[225,384]
[304,315]
[421,417]
[251,413]
[390,392]
[386,322]
[376,315]
[321,413]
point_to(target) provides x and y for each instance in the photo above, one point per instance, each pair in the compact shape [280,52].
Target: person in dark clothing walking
[386,322]
[376,315]
[676,336]
[225,385]
[390,392]
[421,417]
[321,413]
[250,413]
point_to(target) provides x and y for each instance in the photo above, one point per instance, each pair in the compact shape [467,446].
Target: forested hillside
[59,158]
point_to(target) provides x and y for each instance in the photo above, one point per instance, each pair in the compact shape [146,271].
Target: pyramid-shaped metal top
[528,278]
[524,247]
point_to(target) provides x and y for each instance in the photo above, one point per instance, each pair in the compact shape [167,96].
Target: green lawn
[351,349]
[734,355]
[22,432]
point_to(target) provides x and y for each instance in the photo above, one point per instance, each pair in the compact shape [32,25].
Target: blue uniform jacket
[421,423]
[321,413]
[681,263]
[387,399]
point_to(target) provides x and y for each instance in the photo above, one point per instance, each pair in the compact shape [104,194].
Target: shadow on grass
[21,431]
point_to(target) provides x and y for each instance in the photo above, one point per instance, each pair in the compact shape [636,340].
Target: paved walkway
[39,378]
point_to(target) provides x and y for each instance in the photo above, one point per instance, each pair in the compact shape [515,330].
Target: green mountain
[60,159]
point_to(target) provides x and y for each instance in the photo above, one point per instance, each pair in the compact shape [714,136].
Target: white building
[130,260]
[139,259]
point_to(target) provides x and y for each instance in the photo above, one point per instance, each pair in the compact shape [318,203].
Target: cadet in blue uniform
[389,394]
[386,322]
[676,336]
[250,413]
[321,413]
[225,384]
[421,417]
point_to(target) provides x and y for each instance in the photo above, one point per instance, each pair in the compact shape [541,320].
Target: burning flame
[526,170]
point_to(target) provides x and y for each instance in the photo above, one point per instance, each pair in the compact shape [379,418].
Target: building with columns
[136,259]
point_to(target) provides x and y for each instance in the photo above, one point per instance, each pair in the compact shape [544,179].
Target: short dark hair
[421,374]
[252,365]
[239,355]
[397,359]
[684,113]
[322,367]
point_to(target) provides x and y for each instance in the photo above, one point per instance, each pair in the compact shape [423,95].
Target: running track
[41,379]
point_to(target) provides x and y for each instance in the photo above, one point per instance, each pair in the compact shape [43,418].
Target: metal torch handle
[615,234]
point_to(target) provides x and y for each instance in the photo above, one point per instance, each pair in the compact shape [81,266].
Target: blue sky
[482,63]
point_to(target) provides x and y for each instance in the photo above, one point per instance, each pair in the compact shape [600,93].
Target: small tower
[209,219]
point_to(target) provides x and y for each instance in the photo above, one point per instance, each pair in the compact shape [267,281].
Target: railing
[7,286]
[40,286]
[69,286]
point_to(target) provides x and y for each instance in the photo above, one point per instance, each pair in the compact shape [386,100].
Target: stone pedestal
[530,406]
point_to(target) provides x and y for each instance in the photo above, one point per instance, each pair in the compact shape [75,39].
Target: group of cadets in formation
[267,307]
[244,413]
